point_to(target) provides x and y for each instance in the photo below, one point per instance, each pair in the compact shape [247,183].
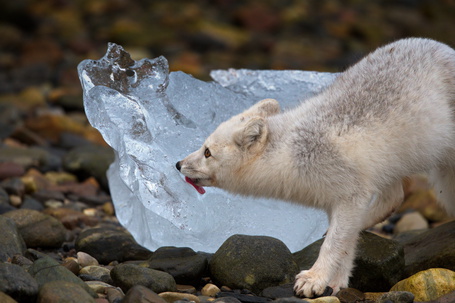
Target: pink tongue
[199,189]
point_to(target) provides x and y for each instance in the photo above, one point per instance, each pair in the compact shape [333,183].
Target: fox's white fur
[345,150]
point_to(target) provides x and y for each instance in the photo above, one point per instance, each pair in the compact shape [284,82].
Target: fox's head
[233,145]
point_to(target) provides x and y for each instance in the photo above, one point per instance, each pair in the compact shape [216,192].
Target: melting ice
[153,118]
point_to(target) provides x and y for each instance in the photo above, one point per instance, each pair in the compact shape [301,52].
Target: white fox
[345,150]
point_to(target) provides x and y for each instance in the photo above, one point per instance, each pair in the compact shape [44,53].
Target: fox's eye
[207,153]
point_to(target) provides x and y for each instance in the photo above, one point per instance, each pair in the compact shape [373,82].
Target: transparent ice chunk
[153,118]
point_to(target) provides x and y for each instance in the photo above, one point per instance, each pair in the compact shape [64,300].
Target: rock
[10,169]
[38,229]
[432,249]
[126,276]
[31,203]
[5,206]
[63,291]
[397,297]
[330,299]
[227,300]
[171,297]
[245,298]
[28,157]
[141,294]
[184,264]
[378,265]
[46,270]
[72,265]
[253,262]
[4,298]
[411,221]
[449,298]
[210,290]
[281,291]
[11,241]
[17,283]
[14,186]
[86,161]
[350,295]
[96,272]
[107,244]
[85,259]
[98,286]
[116,295]
[71,218]
[429,284]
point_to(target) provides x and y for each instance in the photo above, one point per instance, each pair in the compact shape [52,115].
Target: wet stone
[397,297]
[11,241]
[253,262]
[350,295]
[184,264]
[63,291]
[107,244]
[46,270]
[281,291]
[17,283]
[126,276]
[139,293]
[38,229]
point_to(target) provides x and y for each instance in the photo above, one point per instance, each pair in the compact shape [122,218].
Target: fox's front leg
[336,257]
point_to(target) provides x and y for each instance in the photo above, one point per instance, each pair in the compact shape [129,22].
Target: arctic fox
[345,150]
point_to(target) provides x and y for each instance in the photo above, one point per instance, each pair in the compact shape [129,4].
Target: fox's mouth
[195,182]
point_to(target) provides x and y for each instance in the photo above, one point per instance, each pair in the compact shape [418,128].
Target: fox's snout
[178,165]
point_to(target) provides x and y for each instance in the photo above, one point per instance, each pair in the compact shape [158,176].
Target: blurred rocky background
[54,199]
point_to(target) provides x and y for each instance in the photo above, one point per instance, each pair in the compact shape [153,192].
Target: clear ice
[153,118]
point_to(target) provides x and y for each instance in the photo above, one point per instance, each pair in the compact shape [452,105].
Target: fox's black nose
[178,166]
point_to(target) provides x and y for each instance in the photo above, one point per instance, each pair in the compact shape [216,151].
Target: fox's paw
[309,284]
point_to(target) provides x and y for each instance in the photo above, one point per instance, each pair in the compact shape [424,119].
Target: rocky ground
[61,241]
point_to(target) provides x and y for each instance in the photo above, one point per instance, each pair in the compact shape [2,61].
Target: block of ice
[153,118]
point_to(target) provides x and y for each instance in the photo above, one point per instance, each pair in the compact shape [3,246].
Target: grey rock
[244,298]
[107,244]
[30,157]
[227,300]
[253,262]
[378,266]
[13,186]
[350,295]
[397,297]
[4,202]
[63,291]
[17,283]
[38,229]
[379,263]
[126,276]
[141,294]
[183,263]
[281,291]
[46,270]
[90,160]
[31,203]
[290,300]
[11,241]
[434,248]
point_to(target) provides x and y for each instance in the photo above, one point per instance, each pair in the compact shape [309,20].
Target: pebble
[210,290]
[126,276]
[17,283]
[397,296]
[171,297]
[350,295]
[139,293]
[84,259]
[11,241]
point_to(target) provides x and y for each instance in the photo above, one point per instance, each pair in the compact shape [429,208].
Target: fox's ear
[264,108]
[252,134]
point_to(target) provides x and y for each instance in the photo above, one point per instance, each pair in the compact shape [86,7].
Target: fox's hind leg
[443,180]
